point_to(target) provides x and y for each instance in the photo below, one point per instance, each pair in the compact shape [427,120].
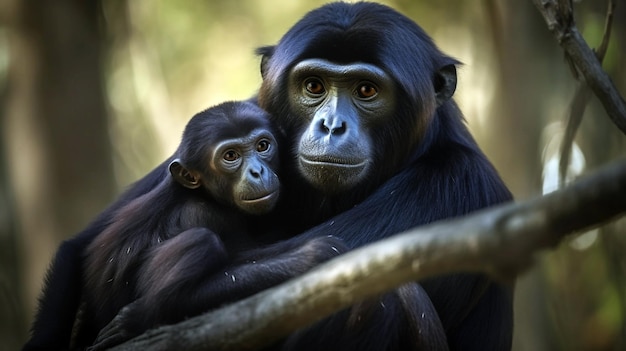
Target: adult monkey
[378,146]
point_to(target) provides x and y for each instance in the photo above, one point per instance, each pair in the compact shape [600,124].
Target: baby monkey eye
[263,145]
[314,86]
[230,155]
[366,91]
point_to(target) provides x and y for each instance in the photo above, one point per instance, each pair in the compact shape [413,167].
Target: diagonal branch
[500,241]
[577,50]
[581,98]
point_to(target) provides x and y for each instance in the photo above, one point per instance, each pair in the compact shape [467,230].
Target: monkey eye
[263,145]
[314,86]
[231,155]
[366,91]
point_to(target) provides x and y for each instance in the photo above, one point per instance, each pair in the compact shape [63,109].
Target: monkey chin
[259,205]
[333,177]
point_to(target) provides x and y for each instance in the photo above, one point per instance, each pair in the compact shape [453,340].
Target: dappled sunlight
[552,137]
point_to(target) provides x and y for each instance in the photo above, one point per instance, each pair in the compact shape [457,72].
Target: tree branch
[499,241]
[581,98]
[561,24]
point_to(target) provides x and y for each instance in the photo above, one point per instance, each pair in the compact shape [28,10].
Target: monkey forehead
[356,70]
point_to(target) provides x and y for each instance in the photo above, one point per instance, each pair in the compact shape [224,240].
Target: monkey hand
[116,332]
[321,249]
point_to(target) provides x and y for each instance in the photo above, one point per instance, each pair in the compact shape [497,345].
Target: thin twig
[581,98]
[585,60]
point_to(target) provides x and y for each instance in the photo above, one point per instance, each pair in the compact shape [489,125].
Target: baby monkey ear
[184,176]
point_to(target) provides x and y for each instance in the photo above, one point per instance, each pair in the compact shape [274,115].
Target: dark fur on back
[63,286]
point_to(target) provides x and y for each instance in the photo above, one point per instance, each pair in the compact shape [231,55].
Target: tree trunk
[55,125]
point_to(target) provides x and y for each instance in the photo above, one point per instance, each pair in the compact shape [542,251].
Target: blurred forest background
[93,94]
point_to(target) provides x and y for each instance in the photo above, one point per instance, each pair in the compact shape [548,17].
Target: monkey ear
[445,83]
[183,176]
[266,53]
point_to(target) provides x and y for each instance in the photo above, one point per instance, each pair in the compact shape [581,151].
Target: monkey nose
[256,172]
[334,127]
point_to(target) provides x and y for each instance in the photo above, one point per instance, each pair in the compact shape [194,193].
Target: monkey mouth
[262,198]
[333,162]
[333,175]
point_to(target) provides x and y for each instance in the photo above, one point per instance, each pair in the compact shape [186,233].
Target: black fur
[427,166]
[171,251]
